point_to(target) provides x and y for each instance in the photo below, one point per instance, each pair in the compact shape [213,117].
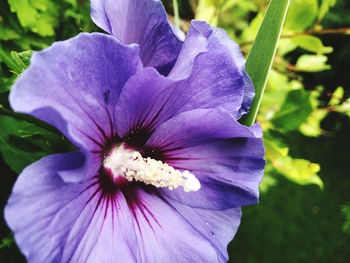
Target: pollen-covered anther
[130,164]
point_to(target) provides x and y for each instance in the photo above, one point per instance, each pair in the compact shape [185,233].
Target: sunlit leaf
[294,111]
[325,6]
[312,126]
[299,171]
[30,41]
[286,46]
[40,16]
[250,32]
[229,4]
[208,10]
[312,63]
[7,33]
[274,150]
[301,14]
[344,107]
[337,96]
[311,43]
[276,90]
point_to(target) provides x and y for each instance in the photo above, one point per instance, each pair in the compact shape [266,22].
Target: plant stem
[345,30]
[176,13]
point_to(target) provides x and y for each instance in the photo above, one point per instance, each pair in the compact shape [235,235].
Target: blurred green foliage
[346,213]
[304,113]
[23,142]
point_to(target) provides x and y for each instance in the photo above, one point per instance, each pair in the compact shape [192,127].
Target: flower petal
[74,85]
[225,156]
[53,221]
[148,99]
[216,226]
[216,60]
[208,73]
[142,22]
[165,235]
[145,102]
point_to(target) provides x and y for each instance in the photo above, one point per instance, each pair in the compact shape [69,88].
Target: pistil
[129,163]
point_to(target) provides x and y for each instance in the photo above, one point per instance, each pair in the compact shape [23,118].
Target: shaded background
[295,221]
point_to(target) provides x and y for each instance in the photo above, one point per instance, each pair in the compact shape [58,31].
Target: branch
[345,30]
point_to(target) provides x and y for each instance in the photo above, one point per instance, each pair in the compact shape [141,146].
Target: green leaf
[301,14]
[312,126]
[277,89]
[312,63]
[207,10]
[275,149]
[6,83]
[325,6]
[311,43]
[337,96]
[294,111]
[261,55]
[22,59]
[250,32]
[299,171]
[226,5]
[344,107]
[7,241]
[40,16]
[17,62]
[25,11]
[285,46]
[338,104]
[30,41]
[9,61]
[346,213]
[7,33]
[22,142]
[74,3]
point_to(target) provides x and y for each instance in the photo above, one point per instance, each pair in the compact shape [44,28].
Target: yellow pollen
[130,164]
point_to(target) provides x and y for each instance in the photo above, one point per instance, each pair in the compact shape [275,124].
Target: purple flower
[163,165]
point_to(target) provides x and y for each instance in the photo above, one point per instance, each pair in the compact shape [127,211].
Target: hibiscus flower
[163,165]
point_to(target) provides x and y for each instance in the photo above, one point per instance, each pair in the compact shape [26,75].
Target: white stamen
[131,164]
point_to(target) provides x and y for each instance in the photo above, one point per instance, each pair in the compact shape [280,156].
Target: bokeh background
[304,210]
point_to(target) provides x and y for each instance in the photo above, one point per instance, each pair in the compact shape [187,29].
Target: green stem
[176,14]
[345,30]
